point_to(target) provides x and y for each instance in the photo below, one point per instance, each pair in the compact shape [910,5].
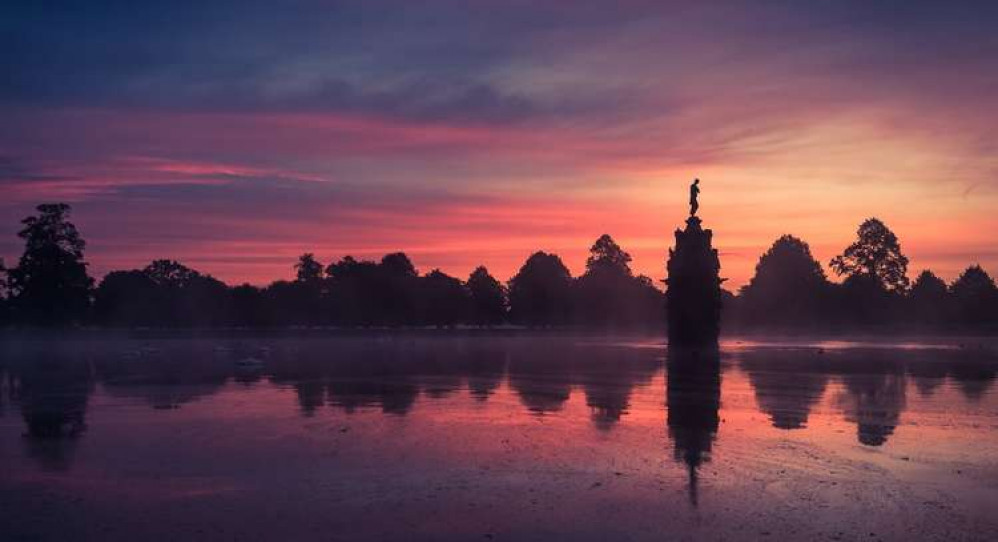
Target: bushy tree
[247,307]
[606,256]
[164,293]
[608,294]
[395,289]
[975,296]
[488,298]
[444,301]
[4,293]
[876,254]
[540,293]
[352,287]
[128,298]
[929,299]
[788,288]
[50,285]
[308,269]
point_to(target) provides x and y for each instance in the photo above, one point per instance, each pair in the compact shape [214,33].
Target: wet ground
[487,437]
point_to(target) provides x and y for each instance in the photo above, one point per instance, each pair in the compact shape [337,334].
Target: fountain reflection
[693,398]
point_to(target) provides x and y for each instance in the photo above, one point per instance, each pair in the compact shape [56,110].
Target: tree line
[51,286]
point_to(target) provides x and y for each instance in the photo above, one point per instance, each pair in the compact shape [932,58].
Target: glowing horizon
[235,139]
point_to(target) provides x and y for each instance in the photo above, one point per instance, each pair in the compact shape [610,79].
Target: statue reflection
[693,398]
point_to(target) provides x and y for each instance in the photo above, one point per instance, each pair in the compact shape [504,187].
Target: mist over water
[496,436]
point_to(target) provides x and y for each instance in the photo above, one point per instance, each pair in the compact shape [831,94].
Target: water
[481,437]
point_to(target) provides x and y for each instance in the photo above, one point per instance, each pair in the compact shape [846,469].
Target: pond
[496,436]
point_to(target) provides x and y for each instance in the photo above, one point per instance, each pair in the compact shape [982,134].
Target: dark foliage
[164,293]
[540,293]
[50,285]
[876,254]
[488,298]
[308,269]
[609,295]
[444,301]
[975,297]
[928,301]
[789,286]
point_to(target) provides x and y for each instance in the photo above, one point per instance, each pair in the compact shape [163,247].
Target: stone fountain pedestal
[693,288]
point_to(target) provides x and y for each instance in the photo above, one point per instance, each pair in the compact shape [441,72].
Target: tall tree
[540,293]
[876,254]
[788,287]
[50,284]
[488,298]
[308,269]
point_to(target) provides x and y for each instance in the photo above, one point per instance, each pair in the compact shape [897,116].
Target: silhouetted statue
[694,286]
[694,192]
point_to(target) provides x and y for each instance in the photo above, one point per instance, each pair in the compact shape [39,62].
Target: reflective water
[437,436]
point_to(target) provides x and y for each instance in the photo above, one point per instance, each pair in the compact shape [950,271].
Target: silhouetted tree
[488,298]
[293,303]
[608,294]
[444,300]
[397,264]
[308,269]
[247,307]
[975,296]
[50,284]
[877,254]
[127,298]
[540,293]
[164,293]
[606,256]
[395,289]
[789,286]
[4,295]
[351,283]
[928,300]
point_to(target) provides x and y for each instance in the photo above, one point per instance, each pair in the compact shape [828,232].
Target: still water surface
[479,437]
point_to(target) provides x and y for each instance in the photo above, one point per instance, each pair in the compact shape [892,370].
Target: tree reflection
[167,375]
[787,383]
[973,374]
[541,375]
[609,376]
[693,398]
[875,394]
[52,388]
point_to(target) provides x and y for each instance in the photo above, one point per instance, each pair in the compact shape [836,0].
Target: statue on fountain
[694,284]
[694,192]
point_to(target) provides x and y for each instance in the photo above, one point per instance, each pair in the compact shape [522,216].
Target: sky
[235,135]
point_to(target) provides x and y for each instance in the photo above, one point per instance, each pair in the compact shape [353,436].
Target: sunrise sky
[233,136]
